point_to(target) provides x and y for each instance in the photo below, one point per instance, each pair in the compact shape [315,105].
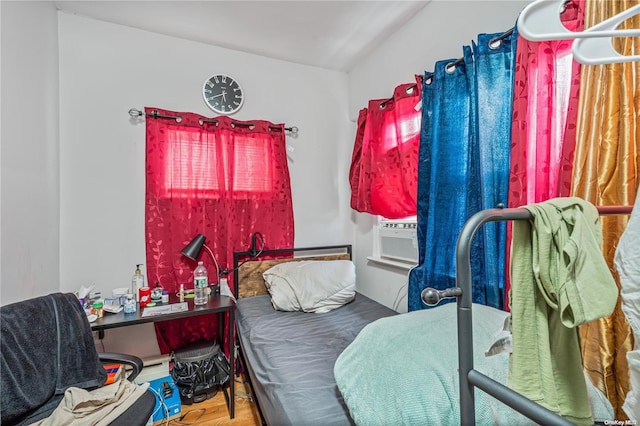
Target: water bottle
[200,283]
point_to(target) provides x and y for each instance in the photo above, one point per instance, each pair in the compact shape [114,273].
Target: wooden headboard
[248,277]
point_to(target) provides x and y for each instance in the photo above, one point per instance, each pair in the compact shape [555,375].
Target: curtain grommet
[495,43]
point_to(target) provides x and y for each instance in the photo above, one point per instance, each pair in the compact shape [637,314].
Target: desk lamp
[193,249]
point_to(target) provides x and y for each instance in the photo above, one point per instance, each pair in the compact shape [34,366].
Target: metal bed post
[470,378]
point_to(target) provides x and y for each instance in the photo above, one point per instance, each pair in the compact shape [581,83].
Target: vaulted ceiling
[328,34]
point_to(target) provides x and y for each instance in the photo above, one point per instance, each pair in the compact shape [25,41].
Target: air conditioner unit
[399,241]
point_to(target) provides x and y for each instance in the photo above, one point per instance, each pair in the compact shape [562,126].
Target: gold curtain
[606,172]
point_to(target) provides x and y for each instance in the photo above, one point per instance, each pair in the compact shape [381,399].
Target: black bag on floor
[198,370]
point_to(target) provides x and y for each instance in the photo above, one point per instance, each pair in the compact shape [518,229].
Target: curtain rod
[491,42]
[455,63]
[133,112]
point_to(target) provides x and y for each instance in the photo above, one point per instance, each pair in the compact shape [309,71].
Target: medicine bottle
[130,304]
[98,308]
[200,283]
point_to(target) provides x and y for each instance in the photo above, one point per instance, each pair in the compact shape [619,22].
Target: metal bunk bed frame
[469,377]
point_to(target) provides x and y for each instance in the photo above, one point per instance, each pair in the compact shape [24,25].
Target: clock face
[223,94]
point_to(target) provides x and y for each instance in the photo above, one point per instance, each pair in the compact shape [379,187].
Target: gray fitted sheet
[291,355]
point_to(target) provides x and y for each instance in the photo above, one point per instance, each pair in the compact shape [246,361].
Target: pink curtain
[384,164]
[545,113]
[219,177]
[545,110]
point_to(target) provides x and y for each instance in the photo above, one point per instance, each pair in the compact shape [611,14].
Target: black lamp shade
[193,249]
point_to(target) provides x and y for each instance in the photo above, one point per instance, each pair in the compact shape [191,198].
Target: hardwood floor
[214,412]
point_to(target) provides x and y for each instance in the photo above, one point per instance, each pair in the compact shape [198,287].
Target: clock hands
[223,94]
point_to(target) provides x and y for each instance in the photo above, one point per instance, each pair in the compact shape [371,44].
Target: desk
[216,304]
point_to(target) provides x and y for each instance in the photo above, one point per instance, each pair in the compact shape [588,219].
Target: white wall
[105,70]
[437,32]
[30,196]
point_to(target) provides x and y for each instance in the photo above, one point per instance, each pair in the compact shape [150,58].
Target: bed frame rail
[469,377]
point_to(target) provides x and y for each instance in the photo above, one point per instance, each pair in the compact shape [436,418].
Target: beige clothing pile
[98,407]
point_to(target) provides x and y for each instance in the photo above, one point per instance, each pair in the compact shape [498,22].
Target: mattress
[291,355]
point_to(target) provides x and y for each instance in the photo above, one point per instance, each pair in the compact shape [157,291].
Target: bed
[365,364]
[433,382]
[289,356]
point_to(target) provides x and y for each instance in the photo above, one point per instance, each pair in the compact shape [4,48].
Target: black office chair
[46,347]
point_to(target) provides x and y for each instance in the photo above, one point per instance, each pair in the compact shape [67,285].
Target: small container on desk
[145,296]
[130,304]
[98,308]
[156,294]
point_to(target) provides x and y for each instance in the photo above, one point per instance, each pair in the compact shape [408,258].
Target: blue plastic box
[171,407]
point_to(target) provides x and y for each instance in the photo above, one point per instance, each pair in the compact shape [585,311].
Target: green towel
[559,280]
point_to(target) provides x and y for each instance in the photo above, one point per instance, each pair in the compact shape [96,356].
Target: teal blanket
[403,370]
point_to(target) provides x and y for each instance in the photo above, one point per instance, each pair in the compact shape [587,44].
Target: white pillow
[311,285]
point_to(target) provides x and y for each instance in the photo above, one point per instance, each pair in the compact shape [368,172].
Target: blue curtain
[463,167]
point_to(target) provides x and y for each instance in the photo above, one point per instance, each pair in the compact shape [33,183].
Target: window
[191,164]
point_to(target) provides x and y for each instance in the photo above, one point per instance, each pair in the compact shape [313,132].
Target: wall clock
[223,94]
